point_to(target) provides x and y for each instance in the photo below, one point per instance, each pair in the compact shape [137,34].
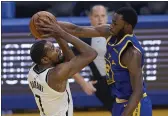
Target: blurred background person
[98,16]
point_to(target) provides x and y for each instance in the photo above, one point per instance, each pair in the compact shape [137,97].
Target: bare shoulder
[131,55]
[55,80]
[57,72]
[133,52]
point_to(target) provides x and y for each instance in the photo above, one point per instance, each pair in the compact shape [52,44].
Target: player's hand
[49,28]
[88,87]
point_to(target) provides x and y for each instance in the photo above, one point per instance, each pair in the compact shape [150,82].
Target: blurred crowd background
[80,8]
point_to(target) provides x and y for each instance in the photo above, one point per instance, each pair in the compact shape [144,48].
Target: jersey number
[40,103]
[109,70]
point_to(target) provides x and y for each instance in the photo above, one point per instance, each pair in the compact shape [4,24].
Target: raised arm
[68,54]
[67,51]
[87,55]
[67,69]
[86,31]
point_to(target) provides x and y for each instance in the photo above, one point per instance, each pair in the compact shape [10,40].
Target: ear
[44,60]
[128,26]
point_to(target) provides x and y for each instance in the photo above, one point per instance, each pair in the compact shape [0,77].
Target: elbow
[93,54]
[139,93]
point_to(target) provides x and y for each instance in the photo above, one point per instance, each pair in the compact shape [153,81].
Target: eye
[103,15]
[96,16]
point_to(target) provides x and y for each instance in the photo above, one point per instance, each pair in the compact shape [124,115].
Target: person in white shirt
[48,77]
[98,84]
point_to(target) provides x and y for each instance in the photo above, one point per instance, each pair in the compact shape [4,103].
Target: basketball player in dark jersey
[124,61]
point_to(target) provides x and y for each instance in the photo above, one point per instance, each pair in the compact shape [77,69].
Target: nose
[100,19]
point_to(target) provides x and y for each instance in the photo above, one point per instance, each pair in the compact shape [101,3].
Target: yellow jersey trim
[123,50]
[118,100]
[127,35]
[137,110]
[110,80]
[108,39]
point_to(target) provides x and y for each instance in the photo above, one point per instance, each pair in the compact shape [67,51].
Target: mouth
[100,23]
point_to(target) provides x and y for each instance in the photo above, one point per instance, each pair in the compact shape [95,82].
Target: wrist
[84,84]
[59,33]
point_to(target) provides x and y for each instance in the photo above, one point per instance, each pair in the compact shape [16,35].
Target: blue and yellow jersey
[118,75]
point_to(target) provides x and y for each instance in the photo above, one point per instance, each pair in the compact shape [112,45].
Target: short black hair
[37,51]
[129,15]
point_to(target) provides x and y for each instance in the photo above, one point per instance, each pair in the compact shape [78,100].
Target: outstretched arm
[86,31]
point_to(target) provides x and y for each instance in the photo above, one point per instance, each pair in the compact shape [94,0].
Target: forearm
[78,44]
[85,31]
[79,79]
[70,28]
[132,103]
[67,51]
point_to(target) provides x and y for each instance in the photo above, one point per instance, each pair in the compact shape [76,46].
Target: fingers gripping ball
[36,19]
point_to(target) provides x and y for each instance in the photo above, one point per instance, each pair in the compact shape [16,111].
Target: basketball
[35,19]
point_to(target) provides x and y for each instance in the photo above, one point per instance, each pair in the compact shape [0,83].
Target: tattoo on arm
[78,29]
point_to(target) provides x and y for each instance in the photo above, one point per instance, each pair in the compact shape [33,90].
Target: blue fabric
[145,108]
[117,75]
[8,10]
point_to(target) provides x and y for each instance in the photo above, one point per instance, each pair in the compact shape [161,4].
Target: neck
[120,36]
[42,67]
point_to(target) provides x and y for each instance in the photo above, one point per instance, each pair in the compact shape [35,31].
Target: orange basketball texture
[35,19]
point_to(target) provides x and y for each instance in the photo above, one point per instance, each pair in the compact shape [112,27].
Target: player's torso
[117,74]
[49,101]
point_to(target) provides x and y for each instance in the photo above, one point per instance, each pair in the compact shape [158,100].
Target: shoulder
[131,55]
[132,52]
[58,71]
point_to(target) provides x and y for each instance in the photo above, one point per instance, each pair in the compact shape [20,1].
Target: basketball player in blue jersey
[124,61]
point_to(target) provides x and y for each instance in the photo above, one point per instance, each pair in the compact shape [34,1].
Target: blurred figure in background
[98,16]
